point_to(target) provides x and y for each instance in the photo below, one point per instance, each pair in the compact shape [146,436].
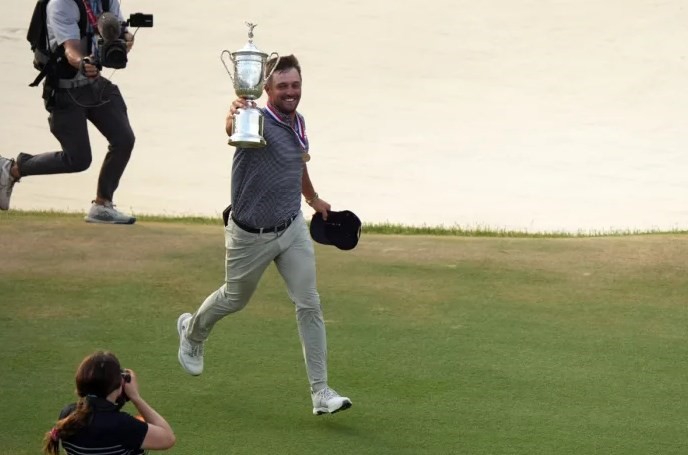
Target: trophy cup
[249,78]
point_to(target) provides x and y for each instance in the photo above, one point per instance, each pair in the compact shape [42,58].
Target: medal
[306,157]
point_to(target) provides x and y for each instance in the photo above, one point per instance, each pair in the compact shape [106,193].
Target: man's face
[284,90]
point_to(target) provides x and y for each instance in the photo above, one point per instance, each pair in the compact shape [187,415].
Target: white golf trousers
[247,257]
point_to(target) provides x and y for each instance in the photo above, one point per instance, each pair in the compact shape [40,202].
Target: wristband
[313,199]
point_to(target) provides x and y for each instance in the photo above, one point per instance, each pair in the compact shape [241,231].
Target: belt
[74,83]
[279,228]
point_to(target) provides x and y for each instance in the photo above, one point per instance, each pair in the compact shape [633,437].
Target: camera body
[112,54]
[112,48]
[123,398]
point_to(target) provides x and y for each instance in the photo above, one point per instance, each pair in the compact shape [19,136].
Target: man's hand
[240,103]
[236,105]
[322,206]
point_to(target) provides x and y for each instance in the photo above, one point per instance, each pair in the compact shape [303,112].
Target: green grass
[371,228]
[446,344]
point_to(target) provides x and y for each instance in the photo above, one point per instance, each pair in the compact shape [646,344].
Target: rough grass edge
[371,228]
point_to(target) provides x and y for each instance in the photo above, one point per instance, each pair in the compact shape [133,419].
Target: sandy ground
[519,114]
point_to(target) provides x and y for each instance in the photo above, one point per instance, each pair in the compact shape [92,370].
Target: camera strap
[92,19]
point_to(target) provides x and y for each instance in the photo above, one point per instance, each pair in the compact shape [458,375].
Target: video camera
[112,48]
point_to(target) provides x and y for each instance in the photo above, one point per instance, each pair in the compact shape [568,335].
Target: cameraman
[75,93]
[95,424]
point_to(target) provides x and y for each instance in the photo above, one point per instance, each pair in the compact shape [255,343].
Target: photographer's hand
[160,434]
[131,388]
[78,60]
[129,40]
[87,67]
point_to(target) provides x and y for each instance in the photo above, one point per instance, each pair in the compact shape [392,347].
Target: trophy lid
[250,48]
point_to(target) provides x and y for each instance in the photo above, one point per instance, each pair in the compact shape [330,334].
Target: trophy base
[247,141]
[247,129]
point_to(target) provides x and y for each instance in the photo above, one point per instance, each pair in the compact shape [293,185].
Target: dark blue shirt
[266,182]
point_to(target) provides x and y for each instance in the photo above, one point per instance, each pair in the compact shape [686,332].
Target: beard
[287,105]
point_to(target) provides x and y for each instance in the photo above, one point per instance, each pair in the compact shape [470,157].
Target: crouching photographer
[72,41]
[95,424]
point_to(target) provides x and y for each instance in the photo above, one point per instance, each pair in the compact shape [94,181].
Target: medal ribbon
[300,129]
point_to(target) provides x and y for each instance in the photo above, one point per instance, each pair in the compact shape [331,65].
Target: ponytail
[76,420]
[51,442]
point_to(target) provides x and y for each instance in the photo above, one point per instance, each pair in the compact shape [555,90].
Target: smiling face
[284,90]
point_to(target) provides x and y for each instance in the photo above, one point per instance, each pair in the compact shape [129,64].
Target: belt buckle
[288,222]
[281,227]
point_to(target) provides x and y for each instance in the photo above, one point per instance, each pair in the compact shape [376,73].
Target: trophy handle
[274,67]
[222,59]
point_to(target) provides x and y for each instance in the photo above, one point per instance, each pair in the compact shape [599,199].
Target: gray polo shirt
[266,182]
[63,20]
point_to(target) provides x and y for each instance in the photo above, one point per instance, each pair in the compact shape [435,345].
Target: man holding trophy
[264,222]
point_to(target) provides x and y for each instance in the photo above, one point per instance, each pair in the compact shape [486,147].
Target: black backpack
[44,59]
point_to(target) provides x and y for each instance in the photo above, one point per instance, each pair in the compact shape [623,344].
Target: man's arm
[63,19]
[307,187]
[75,58]
[312,198]
[73,52]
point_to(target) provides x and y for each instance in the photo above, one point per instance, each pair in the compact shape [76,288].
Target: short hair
[284,63]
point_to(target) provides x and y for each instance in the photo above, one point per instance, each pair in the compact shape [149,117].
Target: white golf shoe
[190,353]
[6,182]
[327,401]
[107,214]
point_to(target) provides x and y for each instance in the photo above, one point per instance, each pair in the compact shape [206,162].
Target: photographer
[76,92]
[95,424]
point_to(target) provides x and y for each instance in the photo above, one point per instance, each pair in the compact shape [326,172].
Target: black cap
[342,229]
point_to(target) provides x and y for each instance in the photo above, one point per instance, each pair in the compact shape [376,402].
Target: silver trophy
[249,77]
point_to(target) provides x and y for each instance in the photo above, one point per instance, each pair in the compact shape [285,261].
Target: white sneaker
[6,182]
[107,214]
[327,401]
[190,354]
